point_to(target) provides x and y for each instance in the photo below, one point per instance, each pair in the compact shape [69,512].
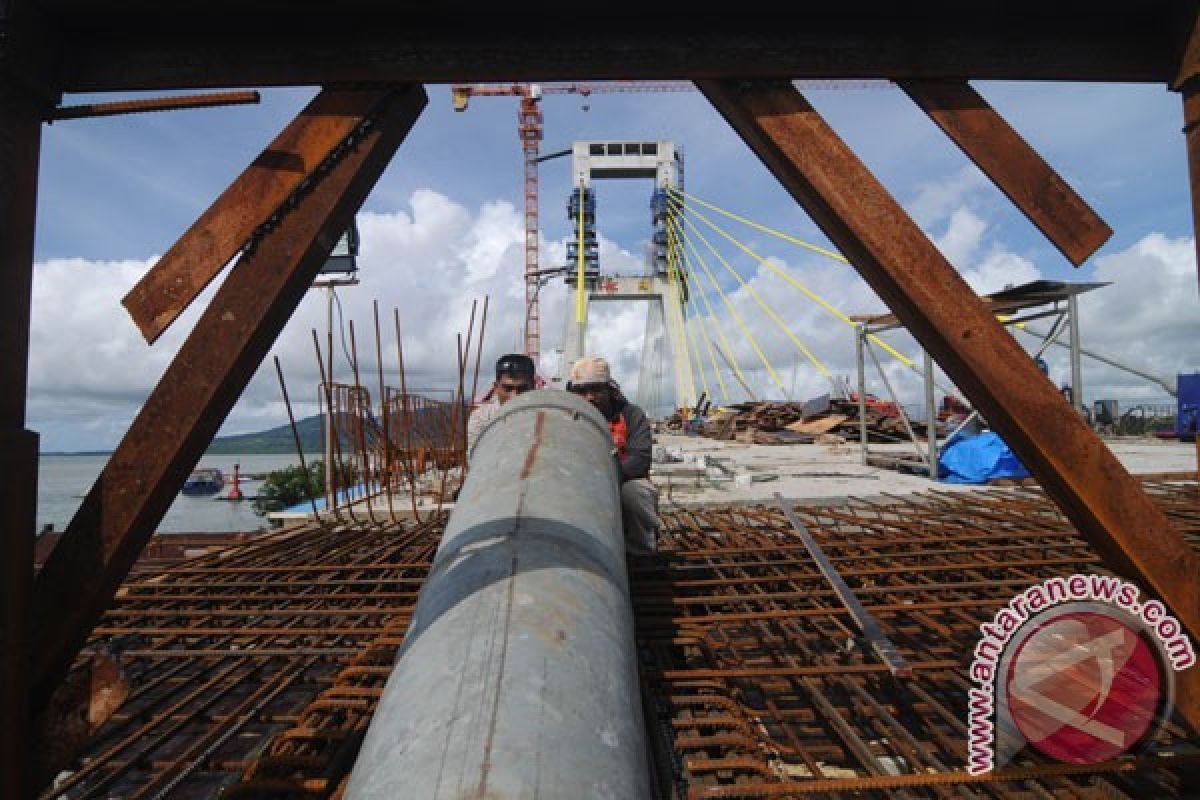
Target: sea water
[63,480]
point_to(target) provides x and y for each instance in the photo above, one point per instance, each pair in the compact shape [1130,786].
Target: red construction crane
[529,131]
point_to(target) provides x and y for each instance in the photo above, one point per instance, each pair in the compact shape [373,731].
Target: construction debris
[798,423]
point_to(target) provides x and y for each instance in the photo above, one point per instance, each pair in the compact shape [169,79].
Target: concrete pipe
[518,677]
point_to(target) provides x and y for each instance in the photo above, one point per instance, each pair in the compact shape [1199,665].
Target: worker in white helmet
[633,441]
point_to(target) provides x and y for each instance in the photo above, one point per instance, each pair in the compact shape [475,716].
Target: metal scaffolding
[1013,307]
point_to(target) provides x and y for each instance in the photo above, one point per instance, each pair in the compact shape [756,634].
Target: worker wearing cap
[633,440]
[514,375]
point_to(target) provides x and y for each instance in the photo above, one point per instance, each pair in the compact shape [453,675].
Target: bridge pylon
[662,286]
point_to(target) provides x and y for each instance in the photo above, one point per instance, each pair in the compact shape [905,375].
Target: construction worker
[515,374]
[633,440]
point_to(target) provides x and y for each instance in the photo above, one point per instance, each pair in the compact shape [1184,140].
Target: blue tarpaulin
[979,459]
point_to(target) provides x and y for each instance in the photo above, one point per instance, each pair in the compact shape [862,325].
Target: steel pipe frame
[196,393]
[908,272]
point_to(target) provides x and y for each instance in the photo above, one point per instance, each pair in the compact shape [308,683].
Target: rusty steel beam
[20,148]
[908,272]
[1187,83]
[152,104]
[203,251]
[201,385]
[134,44]
[1016,168]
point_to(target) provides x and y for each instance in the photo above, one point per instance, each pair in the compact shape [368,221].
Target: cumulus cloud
[1147,318]
[90,370]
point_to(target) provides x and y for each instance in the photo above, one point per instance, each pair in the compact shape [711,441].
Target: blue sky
[444,225]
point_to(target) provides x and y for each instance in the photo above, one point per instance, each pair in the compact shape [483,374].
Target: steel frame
[126,45]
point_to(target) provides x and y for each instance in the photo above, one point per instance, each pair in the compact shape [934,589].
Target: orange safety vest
[620,434]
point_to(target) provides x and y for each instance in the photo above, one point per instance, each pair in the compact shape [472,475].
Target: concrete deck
[709,472]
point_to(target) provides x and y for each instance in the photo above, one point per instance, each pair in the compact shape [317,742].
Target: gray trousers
[639,514]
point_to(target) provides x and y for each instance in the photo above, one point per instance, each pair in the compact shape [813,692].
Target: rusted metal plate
[199,388]
[1015,167]
[203,251]
[908,272]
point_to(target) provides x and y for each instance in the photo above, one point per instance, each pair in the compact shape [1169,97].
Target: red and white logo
[1079,667]
[1084,687]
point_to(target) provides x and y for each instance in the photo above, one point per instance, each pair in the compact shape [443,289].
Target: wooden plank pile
[801,423]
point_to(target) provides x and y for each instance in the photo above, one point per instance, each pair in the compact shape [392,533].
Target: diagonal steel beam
[1016,168]
[200,386]
[908,272]
[216,237]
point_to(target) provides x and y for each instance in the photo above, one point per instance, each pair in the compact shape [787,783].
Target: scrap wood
[818,424]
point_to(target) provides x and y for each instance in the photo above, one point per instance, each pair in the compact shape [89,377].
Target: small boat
[202,481]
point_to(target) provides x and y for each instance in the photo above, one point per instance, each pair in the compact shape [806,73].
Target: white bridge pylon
[664,326]
[661,286]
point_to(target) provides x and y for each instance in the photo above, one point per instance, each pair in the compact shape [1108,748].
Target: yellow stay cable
[683,335]
[674,255]
[580,301]
[712,315]
[821,368]
[703,325]
[807,292]
[779,234]
[733,312]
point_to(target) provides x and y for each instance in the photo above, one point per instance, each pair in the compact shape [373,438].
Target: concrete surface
[718,473]
[715,472]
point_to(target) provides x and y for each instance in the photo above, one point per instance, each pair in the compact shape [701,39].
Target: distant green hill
[275,440]
[427,425]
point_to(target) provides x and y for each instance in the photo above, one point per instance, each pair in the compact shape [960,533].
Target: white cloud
[90,369]
[936,200]
[1148,318]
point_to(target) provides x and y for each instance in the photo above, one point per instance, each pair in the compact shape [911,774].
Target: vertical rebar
[406,420]
[385,479]
[363,409]
[931,418]
[299,448]
[860,334]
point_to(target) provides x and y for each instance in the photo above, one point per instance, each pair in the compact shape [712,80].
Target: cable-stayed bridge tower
[663,285]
